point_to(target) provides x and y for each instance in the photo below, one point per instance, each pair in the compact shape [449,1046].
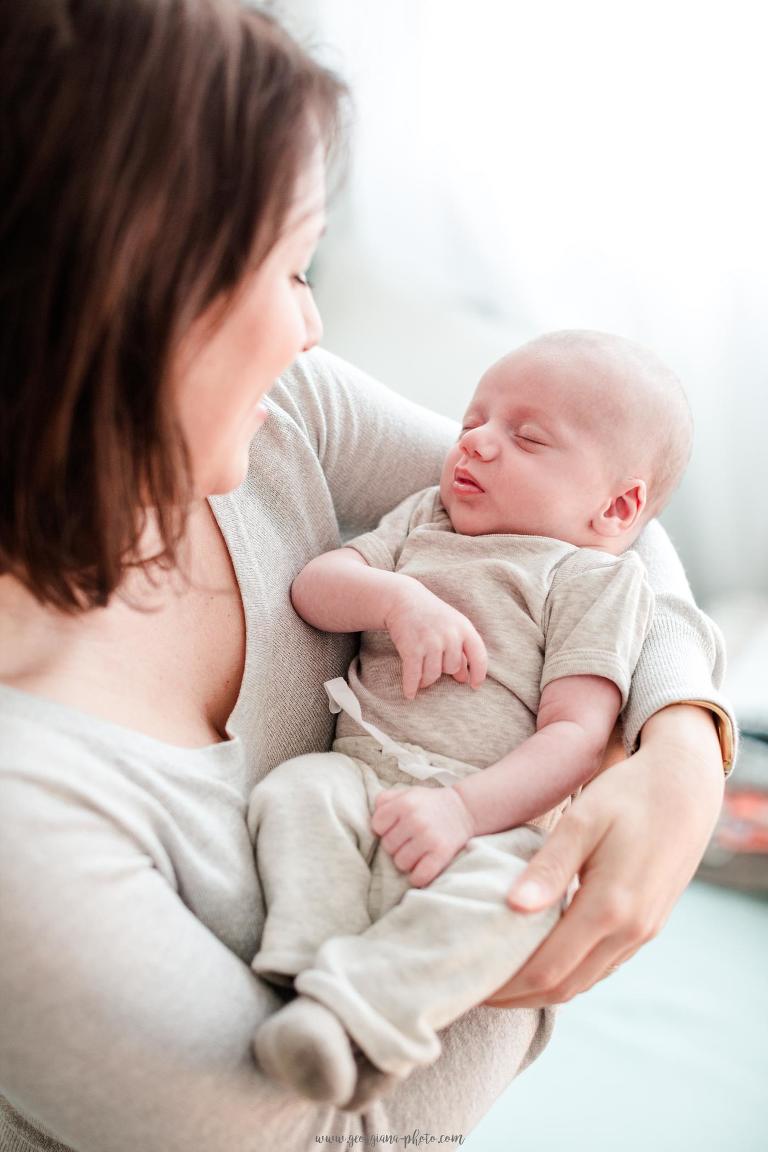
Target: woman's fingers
[540,987]
[604,970]
[549,873]
[634,836]
[590,936]
[578,952]
[542,981]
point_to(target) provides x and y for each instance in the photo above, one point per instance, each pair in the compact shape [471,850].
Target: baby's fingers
[385,815]
[432,668]
[427,869]
[387,795]
[412,673]
[477,658]
[453,654]
[462,676]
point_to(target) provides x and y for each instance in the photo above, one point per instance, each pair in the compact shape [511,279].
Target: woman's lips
[465,483]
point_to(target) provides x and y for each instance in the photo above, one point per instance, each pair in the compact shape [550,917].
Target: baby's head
[580,436]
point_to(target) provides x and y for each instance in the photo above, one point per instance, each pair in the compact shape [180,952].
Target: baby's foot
[371,1085]
[305,1047]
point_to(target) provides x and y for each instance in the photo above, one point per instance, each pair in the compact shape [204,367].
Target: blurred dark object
[737,856]
[738,853]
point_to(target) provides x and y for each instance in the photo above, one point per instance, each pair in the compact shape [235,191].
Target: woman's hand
[635,835]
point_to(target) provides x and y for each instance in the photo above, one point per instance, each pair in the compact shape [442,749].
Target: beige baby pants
[394,963]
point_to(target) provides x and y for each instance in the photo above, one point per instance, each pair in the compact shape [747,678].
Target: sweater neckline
[68,717]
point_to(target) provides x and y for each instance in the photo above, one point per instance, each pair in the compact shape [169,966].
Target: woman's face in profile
[225,366]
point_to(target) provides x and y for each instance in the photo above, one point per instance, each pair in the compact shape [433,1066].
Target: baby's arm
[340,592]
[424,828]
[576,717]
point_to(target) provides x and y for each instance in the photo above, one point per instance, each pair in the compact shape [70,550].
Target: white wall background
[519,167]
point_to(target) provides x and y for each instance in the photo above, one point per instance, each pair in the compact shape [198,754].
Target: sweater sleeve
[375,447]
[126,1023]
[683,657]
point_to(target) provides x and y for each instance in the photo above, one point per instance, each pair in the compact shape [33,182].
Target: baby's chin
[471,521]
[474,516]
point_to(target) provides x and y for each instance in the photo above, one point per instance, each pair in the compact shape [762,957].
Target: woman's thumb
[550,872]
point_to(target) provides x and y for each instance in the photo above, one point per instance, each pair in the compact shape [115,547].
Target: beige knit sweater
[129,905]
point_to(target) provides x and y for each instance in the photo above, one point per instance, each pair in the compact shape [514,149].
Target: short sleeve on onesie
[596,617]
[382,546]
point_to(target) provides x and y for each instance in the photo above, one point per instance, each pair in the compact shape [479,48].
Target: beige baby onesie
[396,964]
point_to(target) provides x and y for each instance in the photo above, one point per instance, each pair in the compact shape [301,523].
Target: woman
[162,198]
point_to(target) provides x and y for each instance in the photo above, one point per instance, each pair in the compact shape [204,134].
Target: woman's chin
[227,478]
[230,471]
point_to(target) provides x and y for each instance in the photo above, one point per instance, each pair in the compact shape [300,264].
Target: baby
[501,618]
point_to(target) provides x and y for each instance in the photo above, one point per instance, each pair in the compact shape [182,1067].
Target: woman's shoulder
[318,388]
[333,401]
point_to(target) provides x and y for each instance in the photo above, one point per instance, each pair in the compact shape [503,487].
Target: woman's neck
[38,641]
[165,656]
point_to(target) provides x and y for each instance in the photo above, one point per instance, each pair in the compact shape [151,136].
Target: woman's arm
[126,1024]
[374,446]
[683,657]
[635,835]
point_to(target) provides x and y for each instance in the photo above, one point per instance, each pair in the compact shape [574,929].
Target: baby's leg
[310,822]
[439,952]
[306,1047]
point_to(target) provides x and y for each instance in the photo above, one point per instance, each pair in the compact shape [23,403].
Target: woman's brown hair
[149,153]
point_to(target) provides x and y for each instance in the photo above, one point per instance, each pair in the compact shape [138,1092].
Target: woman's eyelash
[303,279]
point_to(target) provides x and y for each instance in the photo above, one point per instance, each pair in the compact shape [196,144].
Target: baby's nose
[479,442]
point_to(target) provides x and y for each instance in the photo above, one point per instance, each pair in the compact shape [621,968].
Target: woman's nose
[313,323]
[479,442]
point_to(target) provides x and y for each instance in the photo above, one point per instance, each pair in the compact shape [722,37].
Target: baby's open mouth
[463,481]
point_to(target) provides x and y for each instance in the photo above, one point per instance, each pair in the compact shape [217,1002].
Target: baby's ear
[623,511]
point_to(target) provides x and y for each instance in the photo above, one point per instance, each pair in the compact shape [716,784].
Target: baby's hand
[422,829]
[433,638]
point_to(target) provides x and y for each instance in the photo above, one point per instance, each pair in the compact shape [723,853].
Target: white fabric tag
[410,760]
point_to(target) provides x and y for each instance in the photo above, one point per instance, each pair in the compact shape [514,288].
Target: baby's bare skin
[556,442]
